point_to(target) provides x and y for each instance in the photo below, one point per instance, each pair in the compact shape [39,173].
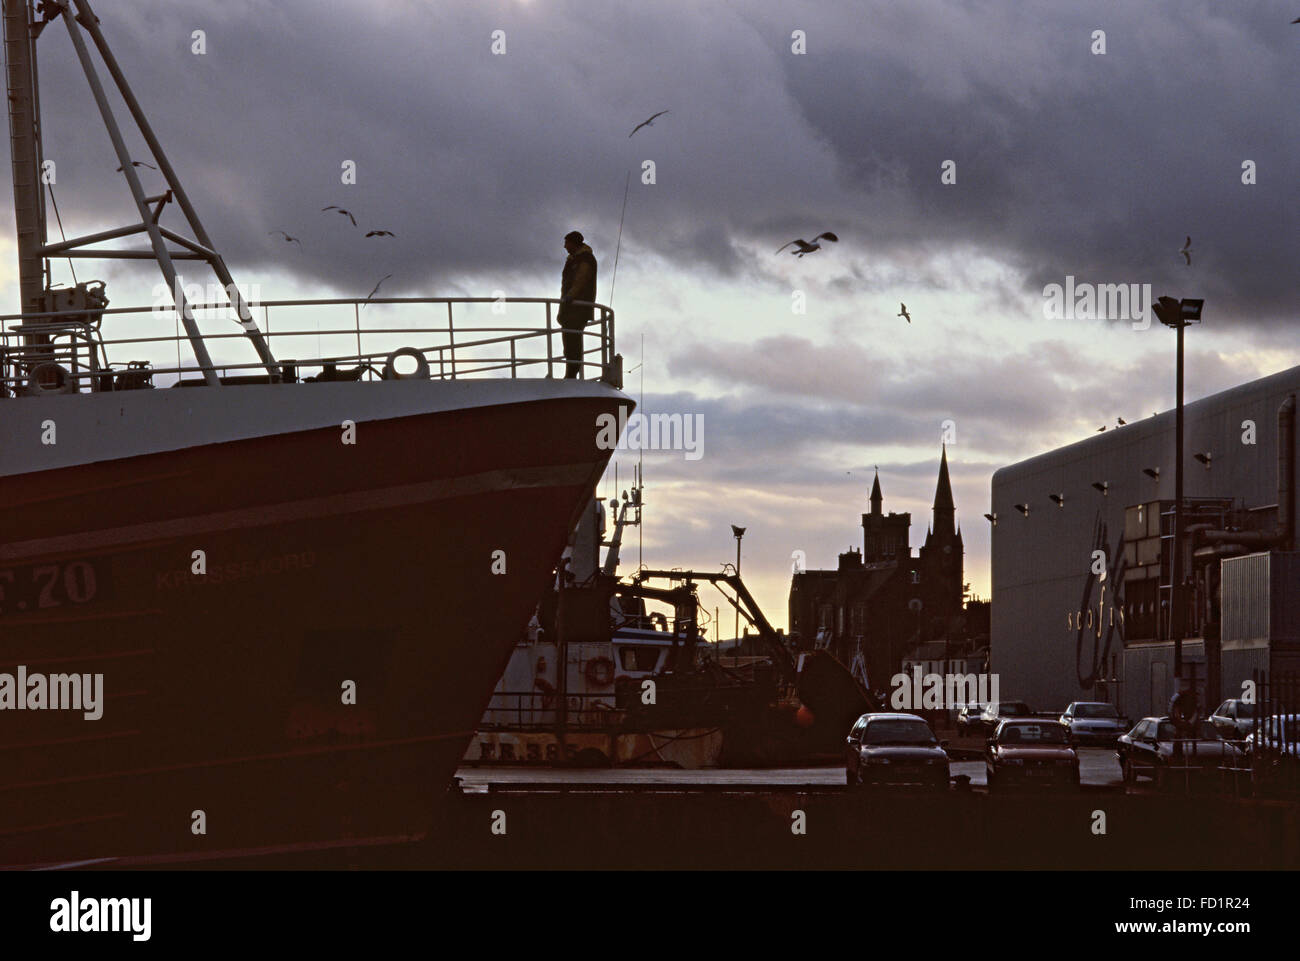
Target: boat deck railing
[312,340]
[538,710]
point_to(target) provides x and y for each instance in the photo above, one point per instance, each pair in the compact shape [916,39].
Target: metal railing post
[451,340]
[550,354]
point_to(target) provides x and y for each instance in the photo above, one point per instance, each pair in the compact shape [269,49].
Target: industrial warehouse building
[1081,557]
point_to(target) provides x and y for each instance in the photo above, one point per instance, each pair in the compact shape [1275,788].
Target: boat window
[639,658]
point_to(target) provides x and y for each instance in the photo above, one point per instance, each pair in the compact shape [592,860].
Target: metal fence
[1271,744]
[313,340]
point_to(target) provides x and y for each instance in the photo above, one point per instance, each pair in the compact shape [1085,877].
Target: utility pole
[1178,314]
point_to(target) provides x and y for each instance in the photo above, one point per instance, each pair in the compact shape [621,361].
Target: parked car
[1024,753]
[1093,722]
[1277,736]
[994,713]
[968,718]
[1234,719]
[895,749]
[1154,750]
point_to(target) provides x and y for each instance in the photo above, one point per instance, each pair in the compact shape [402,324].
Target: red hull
[326,563]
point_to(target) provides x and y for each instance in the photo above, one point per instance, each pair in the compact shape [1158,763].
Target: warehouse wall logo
[684,432]
[21,691]
[75,915]
[1098,302]
[1100,624]
[939,692]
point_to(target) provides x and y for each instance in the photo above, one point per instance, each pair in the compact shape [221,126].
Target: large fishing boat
[261,604]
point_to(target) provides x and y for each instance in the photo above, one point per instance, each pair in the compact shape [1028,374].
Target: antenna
[640,462]
[618,246]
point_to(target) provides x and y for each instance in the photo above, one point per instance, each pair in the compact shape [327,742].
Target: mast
[24,148]
[21,30]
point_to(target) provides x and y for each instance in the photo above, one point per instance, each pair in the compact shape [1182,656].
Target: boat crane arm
[743,602]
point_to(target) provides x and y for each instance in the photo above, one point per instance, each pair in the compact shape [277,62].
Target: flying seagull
[903,313]
[139,163]
[1187,251]
[377,286]
[346,213]
[381,233]
[806,248]
[287,238]
[647,123]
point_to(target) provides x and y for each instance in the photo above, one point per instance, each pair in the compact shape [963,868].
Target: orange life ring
[599,671]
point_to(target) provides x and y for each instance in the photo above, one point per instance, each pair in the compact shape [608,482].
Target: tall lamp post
[1178,314]
[738,533]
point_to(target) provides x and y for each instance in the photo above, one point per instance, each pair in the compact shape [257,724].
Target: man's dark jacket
[578,285]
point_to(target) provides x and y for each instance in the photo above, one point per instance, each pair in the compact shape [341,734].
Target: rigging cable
[55,204]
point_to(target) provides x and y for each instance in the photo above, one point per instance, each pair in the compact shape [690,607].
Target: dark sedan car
[895,749]
[1093,722]
[1030,754]
[1154,749]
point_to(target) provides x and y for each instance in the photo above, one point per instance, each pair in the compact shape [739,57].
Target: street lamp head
[1178,313]
[737,532]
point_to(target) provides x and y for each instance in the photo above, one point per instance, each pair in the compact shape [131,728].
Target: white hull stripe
[564,475]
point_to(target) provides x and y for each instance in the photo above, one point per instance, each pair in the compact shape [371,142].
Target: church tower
[884,537]
[942,555]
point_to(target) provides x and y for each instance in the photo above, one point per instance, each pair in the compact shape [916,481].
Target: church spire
[944,509]
[876,497]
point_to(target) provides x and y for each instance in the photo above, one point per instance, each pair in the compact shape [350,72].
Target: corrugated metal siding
[1149,676]
[1239,666]
[1246,589]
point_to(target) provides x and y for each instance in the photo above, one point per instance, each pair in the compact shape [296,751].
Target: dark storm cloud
[1095,166]
[1068,162]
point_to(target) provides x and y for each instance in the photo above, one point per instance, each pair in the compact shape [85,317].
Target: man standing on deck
[577,283]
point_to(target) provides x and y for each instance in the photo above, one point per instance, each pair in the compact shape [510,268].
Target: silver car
[1234,719]
[1093,722]
[1277,736]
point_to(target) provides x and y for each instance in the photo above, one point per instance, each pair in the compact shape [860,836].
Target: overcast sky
[1068,162]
